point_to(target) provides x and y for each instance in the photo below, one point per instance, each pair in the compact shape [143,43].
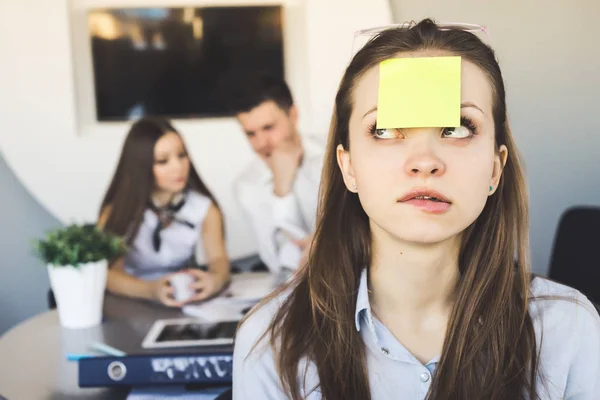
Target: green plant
[75,244]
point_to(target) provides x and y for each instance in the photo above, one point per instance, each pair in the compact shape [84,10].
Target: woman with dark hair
[411,289]
[167,215]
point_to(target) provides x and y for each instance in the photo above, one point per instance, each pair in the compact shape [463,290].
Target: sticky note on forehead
[419,92]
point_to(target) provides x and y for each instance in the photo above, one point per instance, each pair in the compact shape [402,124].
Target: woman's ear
[345,164]
[499,164]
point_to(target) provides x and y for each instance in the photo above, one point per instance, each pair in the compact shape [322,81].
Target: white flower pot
[79,293]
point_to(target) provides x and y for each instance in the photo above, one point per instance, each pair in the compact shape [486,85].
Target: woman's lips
[431,206]
[427,200]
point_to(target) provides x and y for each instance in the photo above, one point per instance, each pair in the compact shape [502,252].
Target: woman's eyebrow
[370,111]
[463,105]
[471,105]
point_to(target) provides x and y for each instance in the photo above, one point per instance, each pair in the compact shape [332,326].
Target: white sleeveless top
[179,242]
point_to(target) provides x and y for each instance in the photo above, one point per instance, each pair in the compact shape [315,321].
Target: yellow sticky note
[419,92]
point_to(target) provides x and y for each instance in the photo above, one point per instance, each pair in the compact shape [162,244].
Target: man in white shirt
[278,191]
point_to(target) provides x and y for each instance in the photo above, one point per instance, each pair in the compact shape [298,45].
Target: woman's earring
[491,187]
[354,186]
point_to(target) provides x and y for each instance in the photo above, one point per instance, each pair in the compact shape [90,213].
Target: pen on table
[77,357]
[106,349]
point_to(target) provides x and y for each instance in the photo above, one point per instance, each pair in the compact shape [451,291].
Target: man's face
[268,125]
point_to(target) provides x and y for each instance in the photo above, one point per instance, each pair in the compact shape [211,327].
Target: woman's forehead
[475,87]
[168,141]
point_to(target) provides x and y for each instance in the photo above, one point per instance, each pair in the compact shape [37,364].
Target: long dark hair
[133,182]
[490,347]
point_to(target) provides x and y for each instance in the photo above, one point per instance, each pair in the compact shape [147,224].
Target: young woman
[411,289]
[158,202]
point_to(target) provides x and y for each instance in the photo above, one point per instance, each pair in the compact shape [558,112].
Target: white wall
[66,160]
[548,54]
[550,59]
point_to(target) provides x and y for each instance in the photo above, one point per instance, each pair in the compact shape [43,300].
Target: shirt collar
[364,317]
[362,300]
[266,175]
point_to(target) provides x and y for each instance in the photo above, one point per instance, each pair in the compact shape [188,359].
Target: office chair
[575,257]
[51,300]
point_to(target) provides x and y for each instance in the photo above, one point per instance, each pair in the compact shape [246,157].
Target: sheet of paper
[418,92]
[254,286]
[219,309]
[244,292]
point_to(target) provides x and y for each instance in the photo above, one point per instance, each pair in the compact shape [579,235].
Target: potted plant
[77,258]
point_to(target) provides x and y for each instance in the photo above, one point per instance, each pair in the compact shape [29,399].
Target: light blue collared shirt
[569,352]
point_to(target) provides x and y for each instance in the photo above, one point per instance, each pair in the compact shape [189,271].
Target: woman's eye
[459,132]
[386,133]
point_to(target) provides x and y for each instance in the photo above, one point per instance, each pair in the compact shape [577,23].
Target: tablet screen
[193,331]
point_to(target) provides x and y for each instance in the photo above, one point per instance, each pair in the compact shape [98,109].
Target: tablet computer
[186,332]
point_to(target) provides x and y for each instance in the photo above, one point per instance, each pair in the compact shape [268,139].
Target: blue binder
[208,366]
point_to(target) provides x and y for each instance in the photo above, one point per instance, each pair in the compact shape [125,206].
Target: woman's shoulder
[567,329]
[555,304]
[196,203]
[541,286]
[546,288]
[197,197]
[253,331]
[254,359]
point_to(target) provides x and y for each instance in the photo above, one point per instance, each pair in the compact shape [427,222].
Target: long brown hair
[133,182]
[490,348]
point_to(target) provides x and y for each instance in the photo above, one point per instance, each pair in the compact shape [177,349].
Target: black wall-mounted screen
[173,62]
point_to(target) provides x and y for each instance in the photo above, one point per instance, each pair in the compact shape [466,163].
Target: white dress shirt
[569,352]
[271,215]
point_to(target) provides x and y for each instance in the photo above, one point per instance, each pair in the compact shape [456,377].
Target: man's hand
[284,162]
[305,244]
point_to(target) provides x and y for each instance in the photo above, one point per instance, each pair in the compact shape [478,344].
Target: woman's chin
[177,188]
[425,237]
[425,231]
[428,240]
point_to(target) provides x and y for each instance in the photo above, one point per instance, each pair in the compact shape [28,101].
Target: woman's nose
[423,160]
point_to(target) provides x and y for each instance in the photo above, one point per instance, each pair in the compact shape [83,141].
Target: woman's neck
[413,280]
[162,198]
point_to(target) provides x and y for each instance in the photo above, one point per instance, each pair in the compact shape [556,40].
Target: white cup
[181,286]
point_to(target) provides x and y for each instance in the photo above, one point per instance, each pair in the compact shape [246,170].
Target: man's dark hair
[248,92]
